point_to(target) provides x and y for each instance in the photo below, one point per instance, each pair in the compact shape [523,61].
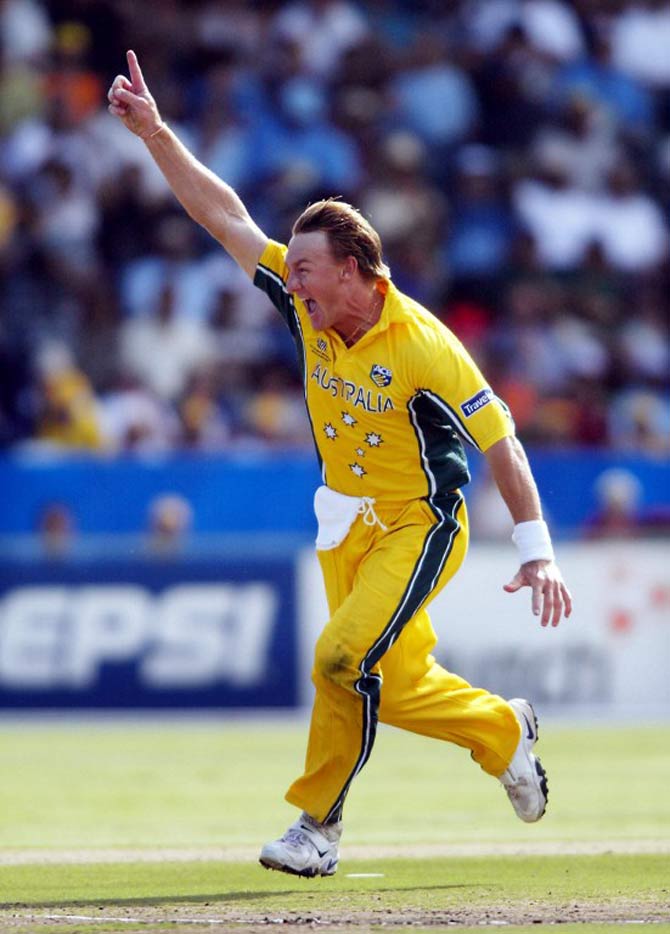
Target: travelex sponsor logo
[355,395]
[380,375]
[477,402]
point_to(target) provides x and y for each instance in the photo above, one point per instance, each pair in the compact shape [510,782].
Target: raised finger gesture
[130,100]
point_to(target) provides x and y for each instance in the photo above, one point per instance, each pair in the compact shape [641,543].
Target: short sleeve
[271,276]
[472,408]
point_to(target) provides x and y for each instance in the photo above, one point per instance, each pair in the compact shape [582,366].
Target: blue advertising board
[149,633]
[270,493]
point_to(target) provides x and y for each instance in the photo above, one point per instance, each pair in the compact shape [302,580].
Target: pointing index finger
[136,75]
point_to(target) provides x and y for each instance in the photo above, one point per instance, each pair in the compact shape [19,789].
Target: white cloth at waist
[337,512]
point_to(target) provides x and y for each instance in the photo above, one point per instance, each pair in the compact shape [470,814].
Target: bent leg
[371,600]
[421,696]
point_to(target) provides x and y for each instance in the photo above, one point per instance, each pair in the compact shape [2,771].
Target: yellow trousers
[373,659]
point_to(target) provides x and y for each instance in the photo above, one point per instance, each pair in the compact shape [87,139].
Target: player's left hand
[550,596]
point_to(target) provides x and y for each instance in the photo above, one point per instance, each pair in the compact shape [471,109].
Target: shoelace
[366,508]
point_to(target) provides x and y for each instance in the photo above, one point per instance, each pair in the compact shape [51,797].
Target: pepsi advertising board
[149,633]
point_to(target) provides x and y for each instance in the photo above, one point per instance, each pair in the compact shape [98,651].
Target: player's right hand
[551,599]
[131,101]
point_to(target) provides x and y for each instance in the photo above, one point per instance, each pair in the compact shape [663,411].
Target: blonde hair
[349,234]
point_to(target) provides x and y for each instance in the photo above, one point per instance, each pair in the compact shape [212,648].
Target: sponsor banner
[613,654]
[476,402]
[149,633]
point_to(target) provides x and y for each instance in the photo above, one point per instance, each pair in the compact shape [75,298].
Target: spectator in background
[173,259]
[276,412]
[644,342]
[67,413]
[561,217]
[434,97]
[71,83]
[620,99]
[402,202]
[550,26]
[66,222]
[640,42]
[170,519]
[204,426]
[127,216]
[580,142]
[481,224]
[553,28]
[511,82]
[136,421]
[56,529]
[618,493]
[408,212]
[233,340]
[25,30]
[528,338]
[323,31]
[630,225]
[223,130]
[298,144]
[162,349]
[639,420]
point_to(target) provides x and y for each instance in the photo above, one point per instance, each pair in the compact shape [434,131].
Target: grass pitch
[110,826]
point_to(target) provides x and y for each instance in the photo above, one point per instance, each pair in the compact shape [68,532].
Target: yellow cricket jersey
[389,414]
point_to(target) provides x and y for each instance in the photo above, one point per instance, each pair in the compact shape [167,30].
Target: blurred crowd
[513,154]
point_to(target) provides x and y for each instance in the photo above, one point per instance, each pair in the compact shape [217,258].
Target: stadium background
[156,465]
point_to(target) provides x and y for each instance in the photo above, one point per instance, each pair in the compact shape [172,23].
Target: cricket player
[392,396]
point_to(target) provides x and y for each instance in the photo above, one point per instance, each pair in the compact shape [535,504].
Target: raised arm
[208,199]
[511,472]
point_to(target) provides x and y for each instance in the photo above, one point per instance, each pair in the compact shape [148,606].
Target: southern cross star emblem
[358,469]
[360,452]
[373,439]
[330,431]
[348,419]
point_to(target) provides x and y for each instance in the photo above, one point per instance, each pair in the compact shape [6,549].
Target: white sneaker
[525,780]
[308,848]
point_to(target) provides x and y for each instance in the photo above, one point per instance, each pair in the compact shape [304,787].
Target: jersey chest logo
[380,375]
[320,348]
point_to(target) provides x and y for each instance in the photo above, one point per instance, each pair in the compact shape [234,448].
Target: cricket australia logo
[380,375]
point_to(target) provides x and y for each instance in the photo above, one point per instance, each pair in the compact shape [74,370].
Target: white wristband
[533,541]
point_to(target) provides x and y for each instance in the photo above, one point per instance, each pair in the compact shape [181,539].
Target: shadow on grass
[220,899]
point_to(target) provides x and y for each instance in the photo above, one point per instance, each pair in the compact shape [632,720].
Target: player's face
[316,278]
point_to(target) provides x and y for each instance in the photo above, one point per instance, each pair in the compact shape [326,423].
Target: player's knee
[333,664]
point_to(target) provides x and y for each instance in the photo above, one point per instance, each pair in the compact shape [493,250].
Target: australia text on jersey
[350,392]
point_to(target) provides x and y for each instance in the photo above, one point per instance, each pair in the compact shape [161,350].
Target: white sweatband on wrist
[533,541]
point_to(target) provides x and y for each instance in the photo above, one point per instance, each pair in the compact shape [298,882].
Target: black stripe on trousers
[437,547]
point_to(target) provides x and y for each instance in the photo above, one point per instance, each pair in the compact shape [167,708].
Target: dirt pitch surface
[185,918]
[335,915]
